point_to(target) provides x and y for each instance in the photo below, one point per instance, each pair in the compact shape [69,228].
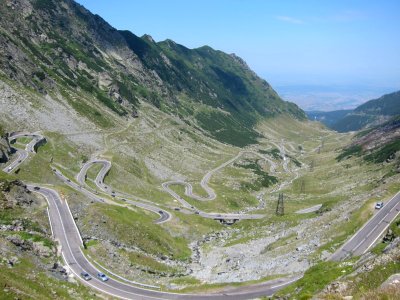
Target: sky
[288,43]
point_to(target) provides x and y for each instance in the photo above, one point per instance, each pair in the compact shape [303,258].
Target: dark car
[36,188]
[177,208]
[85,275]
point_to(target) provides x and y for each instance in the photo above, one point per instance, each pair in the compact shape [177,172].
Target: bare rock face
[14,194]
[41,250]
[336,287]
[38,248]
[24,245]
[5,149]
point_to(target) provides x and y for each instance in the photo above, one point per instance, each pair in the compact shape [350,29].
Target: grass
[373,279]
[93,171]
[315,279]
[136,228]
[89,111]
[241,240]
[274,152]
[394,228]
[56,151]
[28,281]
[36,238]
[384,153]
[215,287]
[147,263]
[378,249]
[355,150]
[278,243]
[263,178]
[23,140]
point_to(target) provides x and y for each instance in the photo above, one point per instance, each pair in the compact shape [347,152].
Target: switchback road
[66,232]
[22,155]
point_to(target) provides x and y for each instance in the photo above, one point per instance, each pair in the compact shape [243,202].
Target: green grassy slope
[370,112]
[104,74]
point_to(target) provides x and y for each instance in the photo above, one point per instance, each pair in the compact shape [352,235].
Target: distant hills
[329,118]
[369,114]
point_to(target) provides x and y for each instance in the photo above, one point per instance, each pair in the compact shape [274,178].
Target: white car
[378,205]
[102,276]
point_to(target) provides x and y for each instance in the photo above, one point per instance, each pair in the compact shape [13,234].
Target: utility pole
[280,210]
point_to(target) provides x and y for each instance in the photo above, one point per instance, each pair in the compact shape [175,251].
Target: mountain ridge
[371,113]
[61,45]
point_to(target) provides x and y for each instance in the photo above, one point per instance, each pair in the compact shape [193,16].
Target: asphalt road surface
[66,232]
[164,215]
[22,155]
[366,237]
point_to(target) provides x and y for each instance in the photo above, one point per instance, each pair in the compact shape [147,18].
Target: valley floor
[190,252]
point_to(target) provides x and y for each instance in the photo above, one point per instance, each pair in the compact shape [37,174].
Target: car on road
[160,212]
[36,188]
[85,275]
[102,277]
[9,168]
[177,208]
[197,212]
[378,205]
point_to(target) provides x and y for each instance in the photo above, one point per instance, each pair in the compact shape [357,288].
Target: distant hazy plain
[329,98]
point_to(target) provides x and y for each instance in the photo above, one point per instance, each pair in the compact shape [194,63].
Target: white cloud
[289,19]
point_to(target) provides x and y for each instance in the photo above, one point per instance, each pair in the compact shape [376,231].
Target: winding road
[22,155]
[164,215]
[211,193]
[145,204]
[65,231]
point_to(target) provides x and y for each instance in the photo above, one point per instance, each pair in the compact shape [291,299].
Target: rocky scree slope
[59,48]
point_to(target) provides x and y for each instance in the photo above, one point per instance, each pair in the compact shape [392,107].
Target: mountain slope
[329,118]
[59,49]
[370,113]
[378,144]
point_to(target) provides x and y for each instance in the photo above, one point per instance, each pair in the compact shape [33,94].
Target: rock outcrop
[5,149]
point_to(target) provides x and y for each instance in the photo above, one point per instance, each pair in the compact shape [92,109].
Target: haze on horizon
[349,49]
